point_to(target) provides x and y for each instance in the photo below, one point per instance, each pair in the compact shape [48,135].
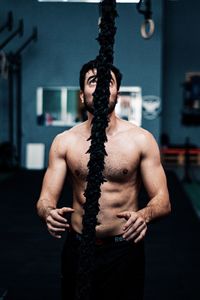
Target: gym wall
[181,54]
[66,40]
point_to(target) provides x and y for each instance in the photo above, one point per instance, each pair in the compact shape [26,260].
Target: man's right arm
[51,189]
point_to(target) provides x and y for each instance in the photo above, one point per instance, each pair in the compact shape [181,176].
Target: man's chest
[121,162]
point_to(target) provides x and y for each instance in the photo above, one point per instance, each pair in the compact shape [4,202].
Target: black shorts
[119,270]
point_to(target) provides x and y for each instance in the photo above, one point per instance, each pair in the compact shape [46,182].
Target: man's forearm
[44,207]
[155,208]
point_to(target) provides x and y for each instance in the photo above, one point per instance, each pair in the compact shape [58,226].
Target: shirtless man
[133,155]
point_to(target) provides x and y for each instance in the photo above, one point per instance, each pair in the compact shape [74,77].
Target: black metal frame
[15,84]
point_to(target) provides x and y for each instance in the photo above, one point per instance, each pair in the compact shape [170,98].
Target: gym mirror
[61,106]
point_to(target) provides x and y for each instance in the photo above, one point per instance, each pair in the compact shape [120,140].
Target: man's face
[90,86]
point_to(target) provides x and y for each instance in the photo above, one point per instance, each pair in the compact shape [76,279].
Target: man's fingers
[55,229]
[124,214]
[56,216]
[130,221]
[64,210]
[131,233]
[56,224]
[55,232]
[141,236]
[134,223]
[55,235]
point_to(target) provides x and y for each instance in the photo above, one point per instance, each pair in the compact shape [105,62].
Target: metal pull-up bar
[33,37]
[19,30]
[9,22]
[15,68]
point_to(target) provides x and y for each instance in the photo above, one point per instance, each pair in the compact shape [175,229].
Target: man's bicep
[152,172]
[55,175]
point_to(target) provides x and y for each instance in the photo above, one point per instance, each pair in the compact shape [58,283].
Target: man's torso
[122,173]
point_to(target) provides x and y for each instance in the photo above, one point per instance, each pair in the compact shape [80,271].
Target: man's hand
[56,221]
[135,228]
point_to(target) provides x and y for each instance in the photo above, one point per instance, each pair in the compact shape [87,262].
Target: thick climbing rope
[97,150]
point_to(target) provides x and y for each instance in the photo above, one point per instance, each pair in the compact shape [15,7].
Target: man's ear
[81,95]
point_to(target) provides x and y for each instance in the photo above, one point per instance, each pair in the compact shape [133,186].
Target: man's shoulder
[144,133]
[137,131]
[143,138]
[146,141]
[77,129]
[69,134]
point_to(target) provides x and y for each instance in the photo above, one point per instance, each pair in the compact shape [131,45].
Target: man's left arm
[154,179]
[155,183]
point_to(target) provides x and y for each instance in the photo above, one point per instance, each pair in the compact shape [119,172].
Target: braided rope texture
[98,138]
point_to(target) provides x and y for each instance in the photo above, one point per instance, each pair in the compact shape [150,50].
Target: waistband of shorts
[100,241]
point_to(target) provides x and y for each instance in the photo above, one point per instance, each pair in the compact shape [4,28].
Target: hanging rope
[97,150]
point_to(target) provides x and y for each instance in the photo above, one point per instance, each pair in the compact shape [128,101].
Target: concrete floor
[30,257]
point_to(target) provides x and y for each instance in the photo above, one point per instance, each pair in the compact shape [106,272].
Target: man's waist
[99,241]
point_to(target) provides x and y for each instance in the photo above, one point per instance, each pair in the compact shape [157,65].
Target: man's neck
[112,125]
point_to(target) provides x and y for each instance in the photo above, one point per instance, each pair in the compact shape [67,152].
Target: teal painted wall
[181,55]
[66,40]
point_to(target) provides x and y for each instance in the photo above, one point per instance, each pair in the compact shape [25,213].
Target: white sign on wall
[151,107]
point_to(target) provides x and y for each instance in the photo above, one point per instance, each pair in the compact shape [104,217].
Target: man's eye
[92,81]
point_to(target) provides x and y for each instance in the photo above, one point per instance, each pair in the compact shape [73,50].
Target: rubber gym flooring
[30,257]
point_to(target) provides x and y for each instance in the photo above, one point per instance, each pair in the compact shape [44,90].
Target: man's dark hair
[93,64]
